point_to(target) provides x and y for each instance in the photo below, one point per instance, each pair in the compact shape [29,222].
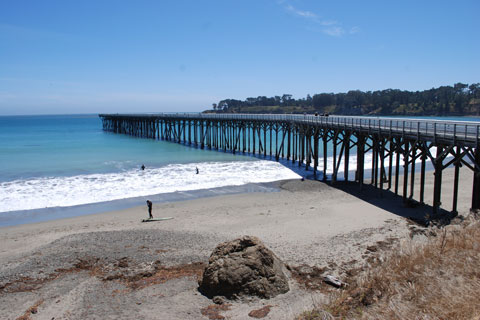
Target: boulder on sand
[243,267]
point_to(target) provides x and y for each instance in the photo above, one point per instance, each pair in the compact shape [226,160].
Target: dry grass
[438,280]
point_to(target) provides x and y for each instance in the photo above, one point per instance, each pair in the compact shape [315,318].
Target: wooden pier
[393,142]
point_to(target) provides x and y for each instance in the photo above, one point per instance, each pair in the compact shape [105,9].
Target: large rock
[243,267]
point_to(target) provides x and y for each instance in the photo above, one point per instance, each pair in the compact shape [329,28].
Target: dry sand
[111,265]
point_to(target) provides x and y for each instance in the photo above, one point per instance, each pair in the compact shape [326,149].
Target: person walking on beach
[149,205]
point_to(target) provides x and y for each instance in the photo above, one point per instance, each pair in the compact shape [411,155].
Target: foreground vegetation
[437,280]
[457,100]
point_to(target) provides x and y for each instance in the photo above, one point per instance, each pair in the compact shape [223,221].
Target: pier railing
[446,131]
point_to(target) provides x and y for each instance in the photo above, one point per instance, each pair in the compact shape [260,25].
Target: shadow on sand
[389,201]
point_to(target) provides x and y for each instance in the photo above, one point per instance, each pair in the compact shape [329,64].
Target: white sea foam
[82,189]
[92,188]
[352,164]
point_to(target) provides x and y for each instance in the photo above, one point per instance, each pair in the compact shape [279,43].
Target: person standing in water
[149,205]
[196,169]
[142,167]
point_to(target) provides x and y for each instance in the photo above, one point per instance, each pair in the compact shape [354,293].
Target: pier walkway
[393,143]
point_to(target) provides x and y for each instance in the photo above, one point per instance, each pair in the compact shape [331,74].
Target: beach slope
[111,265]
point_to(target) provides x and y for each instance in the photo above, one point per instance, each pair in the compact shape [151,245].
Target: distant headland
[458,100]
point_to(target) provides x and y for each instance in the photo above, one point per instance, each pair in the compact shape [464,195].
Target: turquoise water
[60,161]
[39,146]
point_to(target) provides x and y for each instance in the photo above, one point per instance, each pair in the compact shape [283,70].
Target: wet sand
[110,265]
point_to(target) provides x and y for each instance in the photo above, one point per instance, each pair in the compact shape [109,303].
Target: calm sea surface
[67,160]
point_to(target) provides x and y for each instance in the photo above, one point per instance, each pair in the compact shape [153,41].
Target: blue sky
[153,56]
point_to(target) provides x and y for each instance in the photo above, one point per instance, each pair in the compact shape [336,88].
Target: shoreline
[20,217]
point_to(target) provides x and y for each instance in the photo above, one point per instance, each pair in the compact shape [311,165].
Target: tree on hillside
[286,99]
[458,99]
[475,90]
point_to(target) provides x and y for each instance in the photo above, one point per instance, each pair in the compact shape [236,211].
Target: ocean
[61,161]
[65,165]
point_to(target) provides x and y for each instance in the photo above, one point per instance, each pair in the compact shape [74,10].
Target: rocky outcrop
[243,267]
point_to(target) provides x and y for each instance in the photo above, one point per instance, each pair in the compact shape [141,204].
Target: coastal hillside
[457,100]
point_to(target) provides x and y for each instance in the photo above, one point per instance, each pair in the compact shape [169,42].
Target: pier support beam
[412,175]
[406,152]
[455,180]
[346,141]
[325,141]
[422,173]
[397,164]
[315,153]
[437,184]
[476,181]
[360,159]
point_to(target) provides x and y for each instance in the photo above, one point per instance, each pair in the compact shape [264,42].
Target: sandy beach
[112,266]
